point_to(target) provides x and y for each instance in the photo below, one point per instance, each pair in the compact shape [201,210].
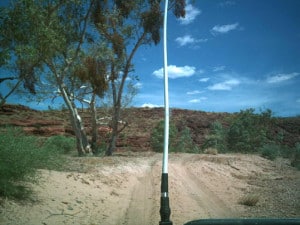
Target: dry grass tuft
[211,151]
[249,200]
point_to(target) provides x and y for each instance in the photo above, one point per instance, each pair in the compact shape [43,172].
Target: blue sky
[226,55]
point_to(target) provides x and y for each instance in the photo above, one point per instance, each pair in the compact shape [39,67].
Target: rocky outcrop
[140,124]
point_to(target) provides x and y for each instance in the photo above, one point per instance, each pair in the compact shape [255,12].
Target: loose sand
[125,190]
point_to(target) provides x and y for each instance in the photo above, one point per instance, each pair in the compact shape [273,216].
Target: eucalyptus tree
[11,88]
[92,73]
[124,26]
[13,73]
[42,41]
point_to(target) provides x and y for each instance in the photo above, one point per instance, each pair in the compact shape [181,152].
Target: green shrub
[178,141]
[286,151]
[20,157]
[60,144]
[249,131]
[296,158]
[216,138]
[270,151]
[246,132]
[157,137]
[186,143]
[99,148]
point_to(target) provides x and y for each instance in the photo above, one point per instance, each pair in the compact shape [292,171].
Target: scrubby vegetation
[250,132]
[243,132]
[20,157]
[246,132]
[217,138]
[179,141]
[296,157]
[270,151]
[61,143]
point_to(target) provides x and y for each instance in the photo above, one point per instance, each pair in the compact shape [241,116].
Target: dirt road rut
[190,198]
[125,190]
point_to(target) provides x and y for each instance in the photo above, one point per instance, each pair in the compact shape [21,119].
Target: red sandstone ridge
[141,122]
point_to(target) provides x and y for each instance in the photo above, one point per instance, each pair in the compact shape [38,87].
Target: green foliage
[296,157]
[251,133]
[186,143]
[292,153]
[270,151]
[100,148]
[60,144]
[178,141]
[217,138]
[20,157]
[93,71]
[17,162]
[125,26]
[157,137]
[248,131]
[34,34]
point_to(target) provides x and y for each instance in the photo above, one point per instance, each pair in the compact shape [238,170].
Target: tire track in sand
[144,203]
[190,198]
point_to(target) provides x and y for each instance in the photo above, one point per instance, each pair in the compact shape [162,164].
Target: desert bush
[20,157]
[295,161]
[249,131]
[186,143]
[178,141]
[249,200]
[100,148]
[216,139]
[157,136]
[270,151]
[287,152]
[60,144]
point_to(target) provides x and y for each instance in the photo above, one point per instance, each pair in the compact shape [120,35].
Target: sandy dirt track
[125,190]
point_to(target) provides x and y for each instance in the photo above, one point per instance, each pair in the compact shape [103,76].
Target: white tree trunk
[77,124]
[93,109]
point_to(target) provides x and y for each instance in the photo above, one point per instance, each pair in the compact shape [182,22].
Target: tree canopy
[56,47]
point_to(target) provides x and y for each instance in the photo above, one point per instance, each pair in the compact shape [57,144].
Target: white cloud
[218,68]
[224,86]
[222,29]
[198,100]
[190,14]
[176,71]
[201,71]
[281,77]
[194,92]
[138,85]
[227,3]
[194,101]
[149,105]
[204,79]
[187,39]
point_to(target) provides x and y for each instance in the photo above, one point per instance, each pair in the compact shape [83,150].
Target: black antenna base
[165,210]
